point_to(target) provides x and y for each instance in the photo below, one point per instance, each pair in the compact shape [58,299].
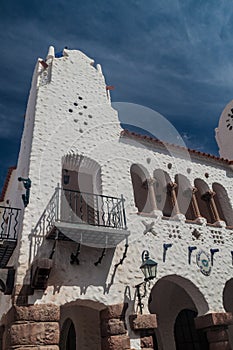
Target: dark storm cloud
[172,56]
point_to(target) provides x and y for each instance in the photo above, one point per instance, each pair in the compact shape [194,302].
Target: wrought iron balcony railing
[80,208]
[9,227]
[93,209]
[9,223]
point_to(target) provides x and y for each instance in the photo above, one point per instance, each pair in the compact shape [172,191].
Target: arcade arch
[164,192]
[204,198]
[140,176]
[169,297]
[159,193]
[184,194]
[223,204]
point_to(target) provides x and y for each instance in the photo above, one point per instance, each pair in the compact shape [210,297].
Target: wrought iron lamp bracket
[140,296]
[149,269]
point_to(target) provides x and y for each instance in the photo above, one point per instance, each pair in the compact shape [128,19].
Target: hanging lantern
[148,267]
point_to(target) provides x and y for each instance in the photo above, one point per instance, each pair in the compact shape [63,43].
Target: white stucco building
[85,202]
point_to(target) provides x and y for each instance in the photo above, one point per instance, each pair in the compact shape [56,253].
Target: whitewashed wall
[92,129]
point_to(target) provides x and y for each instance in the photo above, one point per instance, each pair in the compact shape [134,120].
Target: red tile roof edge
[6,182]
[158,142]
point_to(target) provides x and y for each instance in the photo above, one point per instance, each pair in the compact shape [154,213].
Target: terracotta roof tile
[152,140]
[6,182]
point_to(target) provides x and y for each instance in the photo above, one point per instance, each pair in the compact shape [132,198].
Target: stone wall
[215,325]
[32,327]
[113,328]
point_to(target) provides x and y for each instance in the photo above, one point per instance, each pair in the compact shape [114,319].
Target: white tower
[68,115]
[224,132]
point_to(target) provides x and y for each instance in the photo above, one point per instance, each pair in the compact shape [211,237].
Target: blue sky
[173,56]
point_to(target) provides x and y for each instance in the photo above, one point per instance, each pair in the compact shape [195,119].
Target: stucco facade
[79,242]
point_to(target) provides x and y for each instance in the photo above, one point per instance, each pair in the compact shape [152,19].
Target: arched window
[68,336]
[223,204]
[184,194]
[205,200]
[139,178]
[186,335]
[81,180]
[162,192]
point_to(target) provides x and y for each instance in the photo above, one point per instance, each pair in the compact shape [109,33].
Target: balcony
[9,224]
[90,219]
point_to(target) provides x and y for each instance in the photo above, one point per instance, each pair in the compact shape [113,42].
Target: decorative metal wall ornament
[166,246]
[212,252]
[74,257]
[204,262]
[190,250]
[149,228]
[196,233]
[27,185]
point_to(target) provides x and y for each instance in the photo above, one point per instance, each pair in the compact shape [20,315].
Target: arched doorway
[68,336]
[80,325]
[185,333]
[71,338]
[169,296]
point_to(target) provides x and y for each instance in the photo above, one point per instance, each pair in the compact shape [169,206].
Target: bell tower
[224,132]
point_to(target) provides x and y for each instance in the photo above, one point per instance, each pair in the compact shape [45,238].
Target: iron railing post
[16,223]
[9,222]
[97,209]
[123,210]
[57,204]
